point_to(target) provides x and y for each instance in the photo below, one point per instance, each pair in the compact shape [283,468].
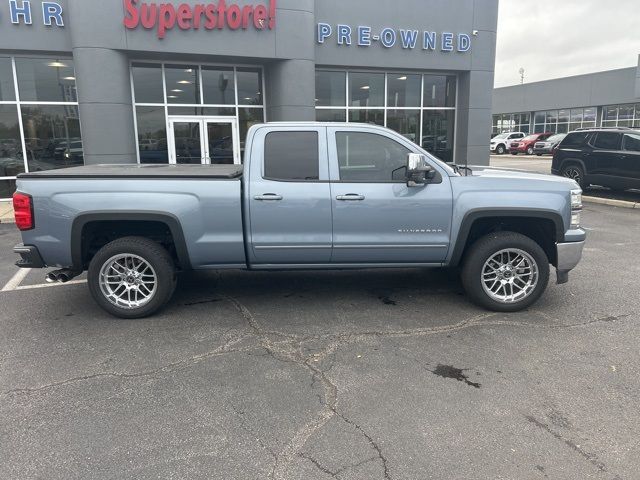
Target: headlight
[576,199]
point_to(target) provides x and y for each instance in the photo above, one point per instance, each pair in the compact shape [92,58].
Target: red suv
[525,145]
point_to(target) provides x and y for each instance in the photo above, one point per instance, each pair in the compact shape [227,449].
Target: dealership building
[602,99]
[126,81]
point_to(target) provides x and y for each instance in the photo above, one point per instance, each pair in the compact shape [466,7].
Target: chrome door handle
[268,197]
[350,197]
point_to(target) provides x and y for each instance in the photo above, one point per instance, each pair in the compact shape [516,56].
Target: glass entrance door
[203,140]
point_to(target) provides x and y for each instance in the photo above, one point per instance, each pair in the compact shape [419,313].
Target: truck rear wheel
[132,277]
[505,272]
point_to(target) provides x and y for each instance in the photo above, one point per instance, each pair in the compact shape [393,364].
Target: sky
[559,38]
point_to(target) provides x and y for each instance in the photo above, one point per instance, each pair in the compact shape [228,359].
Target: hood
[496,173]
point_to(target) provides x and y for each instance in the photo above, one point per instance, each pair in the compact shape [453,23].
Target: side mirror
[419,172]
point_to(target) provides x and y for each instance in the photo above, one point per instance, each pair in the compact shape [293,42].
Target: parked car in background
[525,145]
[500,143]
[609,157]
[548,146]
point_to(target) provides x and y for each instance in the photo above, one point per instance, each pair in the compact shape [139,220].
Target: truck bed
[223,172]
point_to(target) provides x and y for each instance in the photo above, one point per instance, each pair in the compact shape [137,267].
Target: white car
[499,144]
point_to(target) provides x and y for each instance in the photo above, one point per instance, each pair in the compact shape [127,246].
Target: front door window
[203,140]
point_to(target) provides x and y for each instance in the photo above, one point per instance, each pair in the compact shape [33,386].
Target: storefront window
[46,80]
[366,89]
[331,115]
[11,159]
[364,99]
[152,135]
[403,90]
[247,118]
[249,86]
[218,85]
[183,84]
[406,122]
[7,92]
[331,89]
[227,91]
[367,116]
[147,83]
[439,91]
[52,136]
[437,133]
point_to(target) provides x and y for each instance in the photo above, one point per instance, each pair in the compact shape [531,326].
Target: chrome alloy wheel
[128,281]
[573,173]
[510,275]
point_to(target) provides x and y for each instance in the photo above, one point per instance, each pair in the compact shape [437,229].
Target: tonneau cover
[142,171]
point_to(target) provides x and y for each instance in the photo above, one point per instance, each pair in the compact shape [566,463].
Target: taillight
[23,211]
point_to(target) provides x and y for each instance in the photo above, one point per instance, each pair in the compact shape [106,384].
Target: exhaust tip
[49,279]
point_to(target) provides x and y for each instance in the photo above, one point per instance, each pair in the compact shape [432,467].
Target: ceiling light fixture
[402,78]
[366,87]
[184,82]
[57,64]
[69,78]
[177,90]
[172,96]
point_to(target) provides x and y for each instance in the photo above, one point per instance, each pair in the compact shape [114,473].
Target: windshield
[502,136]
[530,137]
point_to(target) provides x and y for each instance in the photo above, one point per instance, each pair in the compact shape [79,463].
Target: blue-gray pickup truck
[309,196]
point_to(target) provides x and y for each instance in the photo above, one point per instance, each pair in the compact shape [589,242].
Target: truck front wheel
[505,272]
[132,277]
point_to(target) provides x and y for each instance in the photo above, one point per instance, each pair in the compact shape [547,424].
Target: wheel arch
[536,224]
[123,220]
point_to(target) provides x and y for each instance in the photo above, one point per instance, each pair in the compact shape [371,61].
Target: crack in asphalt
[337,473]
[224,349]
[287,347]
[590,457]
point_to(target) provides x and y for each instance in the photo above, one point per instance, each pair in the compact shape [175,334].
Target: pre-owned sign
[165,16]
[409,39]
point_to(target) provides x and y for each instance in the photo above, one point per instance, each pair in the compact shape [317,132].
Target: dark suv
[600,156]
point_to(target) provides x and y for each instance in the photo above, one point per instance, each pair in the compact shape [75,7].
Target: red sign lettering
[164,17]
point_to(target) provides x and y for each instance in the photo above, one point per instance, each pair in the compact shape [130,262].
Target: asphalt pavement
[319,375]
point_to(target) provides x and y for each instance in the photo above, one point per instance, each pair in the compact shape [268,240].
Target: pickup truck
[309,196]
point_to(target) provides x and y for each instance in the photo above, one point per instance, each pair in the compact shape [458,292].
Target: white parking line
[16,280]
[48,285]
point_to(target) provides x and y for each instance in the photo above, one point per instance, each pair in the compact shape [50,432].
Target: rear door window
[631,142]
[292,156]
[607,141]
[575,139]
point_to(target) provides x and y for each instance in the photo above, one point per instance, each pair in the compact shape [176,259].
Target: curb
[611,202]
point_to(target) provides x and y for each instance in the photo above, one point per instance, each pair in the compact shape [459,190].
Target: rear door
[631,159]
[289,197]
[376,217]
[606,157]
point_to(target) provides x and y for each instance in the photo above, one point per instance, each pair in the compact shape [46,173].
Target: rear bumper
[569,255]
[29,256]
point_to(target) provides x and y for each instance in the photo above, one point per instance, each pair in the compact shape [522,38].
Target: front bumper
[569,255]
[29,256]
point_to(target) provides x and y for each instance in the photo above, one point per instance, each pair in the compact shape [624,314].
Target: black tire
[574,172]
[151,252]
[514,153]
[500,150]
[539,154]
[530,151]
[486,247]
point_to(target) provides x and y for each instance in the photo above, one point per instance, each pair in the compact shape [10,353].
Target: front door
[203,140]
[377,218]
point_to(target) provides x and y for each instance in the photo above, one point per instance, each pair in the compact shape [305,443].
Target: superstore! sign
[219,15]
